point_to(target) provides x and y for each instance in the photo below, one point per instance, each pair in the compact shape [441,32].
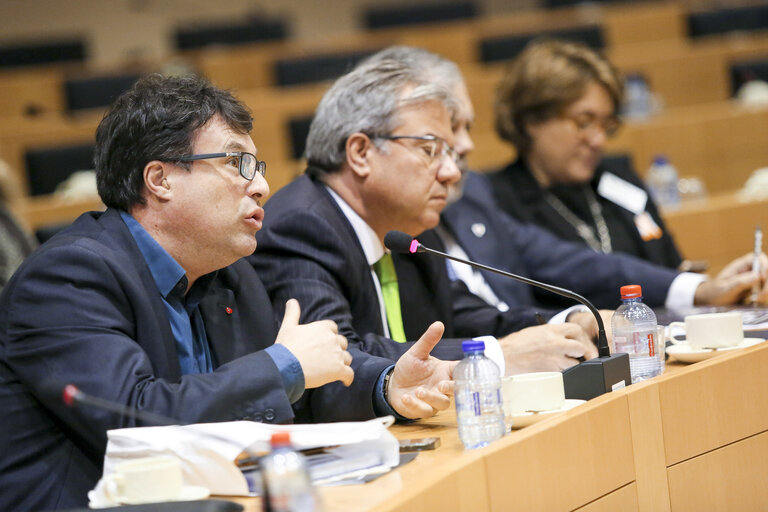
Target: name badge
[647,227]
[623,193]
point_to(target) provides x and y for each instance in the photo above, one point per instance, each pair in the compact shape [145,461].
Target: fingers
[427,342]
[347,358]
[292,313]
[343,343]
[575,349]
[446,387]
[347,375]
[423,403]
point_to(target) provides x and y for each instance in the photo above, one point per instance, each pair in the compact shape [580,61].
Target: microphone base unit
[597,376]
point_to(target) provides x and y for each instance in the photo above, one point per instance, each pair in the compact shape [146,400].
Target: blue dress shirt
[184,315]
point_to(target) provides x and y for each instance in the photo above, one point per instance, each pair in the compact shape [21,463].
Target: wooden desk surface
[451,478]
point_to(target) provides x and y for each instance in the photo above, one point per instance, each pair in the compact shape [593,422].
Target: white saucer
[523,419]
[188,493]
[685,354]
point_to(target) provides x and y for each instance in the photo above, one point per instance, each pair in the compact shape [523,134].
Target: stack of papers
[208,451]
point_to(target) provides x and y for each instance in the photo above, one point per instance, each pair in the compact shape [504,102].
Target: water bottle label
[621,343]
[477,407]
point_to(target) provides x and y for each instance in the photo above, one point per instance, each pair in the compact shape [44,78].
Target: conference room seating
[43,52]
[719,21]
[418,14]
[744,71]
[48,166]
[255,29]
[317,68]
[278,80]
[299,129]
[499,48]
[91,92]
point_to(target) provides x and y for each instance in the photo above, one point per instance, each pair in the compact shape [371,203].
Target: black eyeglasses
[436,148]
[247,163]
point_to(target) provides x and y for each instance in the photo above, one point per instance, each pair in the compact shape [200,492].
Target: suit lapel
[220,315]
[162,351]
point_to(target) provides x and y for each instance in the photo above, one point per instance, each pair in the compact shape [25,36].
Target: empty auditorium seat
[30,54]
[49,166]
[249,31]
[408,14]
[507,47]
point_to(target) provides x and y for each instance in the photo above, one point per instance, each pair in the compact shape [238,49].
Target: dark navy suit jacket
[491,237]
[309,251]
[84,309]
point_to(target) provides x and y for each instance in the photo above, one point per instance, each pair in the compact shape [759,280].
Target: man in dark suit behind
[381,158]
[149,305]
[474,226]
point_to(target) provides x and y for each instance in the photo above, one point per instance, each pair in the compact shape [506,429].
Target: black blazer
[519,194]
[490,236]
[309,251]
[84,309]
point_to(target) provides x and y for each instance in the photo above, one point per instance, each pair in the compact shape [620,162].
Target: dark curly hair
[156,120]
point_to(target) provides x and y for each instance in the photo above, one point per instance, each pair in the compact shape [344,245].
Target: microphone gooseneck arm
[398,243]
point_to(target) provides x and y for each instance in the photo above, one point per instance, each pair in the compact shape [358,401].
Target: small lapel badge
[228,310]
[478,228]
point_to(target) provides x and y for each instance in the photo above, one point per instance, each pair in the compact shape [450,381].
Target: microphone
[585,380]
[73,397]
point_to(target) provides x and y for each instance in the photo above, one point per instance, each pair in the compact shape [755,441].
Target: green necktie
[385,269]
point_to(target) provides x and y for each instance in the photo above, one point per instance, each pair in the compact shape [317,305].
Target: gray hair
[431,67]
[367,100]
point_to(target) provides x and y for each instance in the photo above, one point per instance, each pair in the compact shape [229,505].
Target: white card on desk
[623,193]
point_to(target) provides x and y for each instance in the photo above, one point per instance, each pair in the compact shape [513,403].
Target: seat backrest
[49,166]
[498,48]
[744,71]
[299,129]
[98,91]
[754,17]
[316,68]
[410,14]
[250,31]
[30,54]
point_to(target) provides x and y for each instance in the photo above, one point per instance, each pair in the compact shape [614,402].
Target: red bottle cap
[281,438]
[631,291]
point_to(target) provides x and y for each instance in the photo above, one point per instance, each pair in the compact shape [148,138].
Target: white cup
[145,480]
[540,391]
[712,330]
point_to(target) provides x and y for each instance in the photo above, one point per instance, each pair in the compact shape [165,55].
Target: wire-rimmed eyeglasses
[435,147]
[589,124]
[247,163]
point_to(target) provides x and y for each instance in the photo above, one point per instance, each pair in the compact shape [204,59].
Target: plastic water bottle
[479,405]
[287,486]
[662,182]
[638,102]
[634,333]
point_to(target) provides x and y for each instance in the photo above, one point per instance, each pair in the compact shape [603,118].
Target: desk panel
[563,463]
[732,478]
[714,403]
[624,499]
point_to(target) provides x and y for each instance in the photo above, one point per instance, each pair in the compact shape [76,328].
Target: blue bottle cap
[472,345]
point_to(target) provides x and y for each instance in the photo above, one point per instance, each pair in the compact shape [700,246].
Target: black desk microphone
[585,380]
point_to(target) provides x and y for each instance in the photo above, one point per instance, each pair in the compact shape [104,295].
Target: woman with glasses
[557,105]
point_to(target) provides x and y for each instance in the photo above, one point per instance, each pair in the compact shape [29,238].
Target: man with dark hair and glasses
[381,157]
[150,305]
